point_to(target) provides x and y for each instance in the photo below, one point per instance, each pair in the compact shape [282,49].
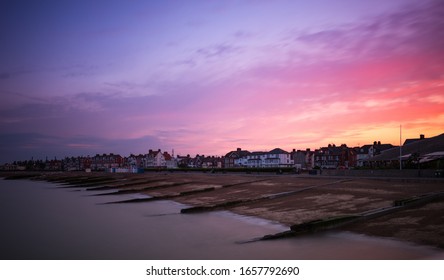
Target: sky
[206,77]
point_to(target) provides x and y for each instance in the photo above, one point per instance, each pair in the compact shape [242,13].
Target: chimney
[422,136]
[238,149]
[379,142]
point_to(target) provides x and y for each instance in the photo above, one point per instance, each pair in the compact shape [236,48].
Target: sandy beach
[287,199]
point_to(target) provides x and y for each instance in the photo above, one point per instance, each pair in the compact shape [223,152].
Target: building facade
[273,159]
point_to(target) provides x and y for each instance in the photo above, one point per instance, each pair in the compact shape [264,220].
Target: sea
[46,221]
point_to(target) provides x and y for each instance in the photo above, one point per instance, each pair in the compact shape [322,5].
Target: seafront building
[275,158]
[418,153]
[106,161]
[233,158]
[303,159]
[333,157]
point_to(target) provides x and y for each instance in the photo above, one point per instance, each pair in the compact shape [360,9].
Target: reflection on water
[40,221]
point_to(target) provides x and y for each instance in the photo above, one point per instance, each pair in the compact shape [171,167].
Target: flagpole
[400,147]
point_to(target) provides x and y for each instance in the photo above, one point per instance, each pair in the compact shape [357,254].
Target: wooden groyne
[238,202]
[171,196]
[130,191]
[163,197]
[21,176]
[340,221]
[118,184]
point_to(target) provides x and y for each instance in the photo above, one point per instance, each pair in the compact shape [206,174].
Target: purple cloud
[218,51]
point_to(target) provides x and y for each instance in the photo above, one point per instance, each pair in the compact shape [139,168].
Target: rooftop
[421,146]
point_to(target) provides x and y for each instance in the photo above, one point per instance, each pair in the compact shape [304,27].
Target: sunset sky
[87,77]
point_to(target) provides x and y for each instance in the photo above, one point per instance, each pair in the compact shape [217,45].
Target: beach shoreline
[286,199]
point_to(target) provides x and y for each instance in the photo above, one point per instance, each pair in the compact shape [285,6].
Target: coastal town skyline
[80,78]
[172,152]
[413,153]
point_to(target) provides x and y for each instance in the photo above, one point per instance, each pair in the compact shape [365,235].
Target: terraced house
[333,157]
[104,161]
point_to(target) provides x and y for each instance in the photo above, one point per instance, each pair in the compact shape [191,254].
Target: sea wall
[405,173]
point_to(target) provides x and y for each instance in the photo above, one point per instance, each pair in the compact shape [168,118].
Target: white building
[154,159]
[274,158]
[157,159]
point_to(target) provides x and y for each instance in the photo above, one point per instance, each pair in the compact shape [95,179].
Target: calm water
[39,220]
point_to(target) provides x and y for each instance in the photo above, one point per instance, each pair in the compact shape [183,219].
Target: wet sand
[287,199]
